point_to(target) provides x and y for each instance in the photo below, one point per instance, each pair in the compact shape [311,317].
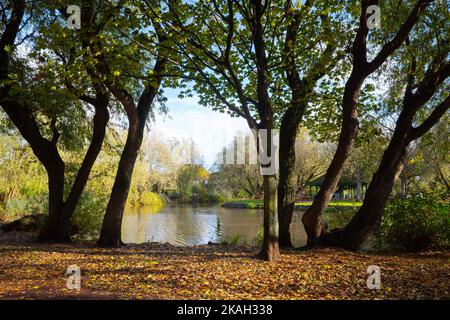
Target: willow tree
[390,40]
[419,94]
[49,112]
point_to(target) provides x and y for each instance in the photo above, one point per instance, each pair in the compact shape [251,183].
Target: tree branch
[429,122]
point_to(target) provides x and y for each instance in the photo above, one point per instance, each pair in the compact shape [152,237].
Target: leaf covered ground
[154,271]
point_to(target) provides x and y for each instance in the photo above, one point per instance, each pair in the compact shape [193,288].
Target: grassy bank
[148,271]
[301,205]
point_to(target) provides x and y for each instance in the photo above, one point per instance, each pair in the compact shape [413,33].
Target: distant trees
[22,179]
[435,150]
[238,180]
[190,178]
[235,176]
[244,180]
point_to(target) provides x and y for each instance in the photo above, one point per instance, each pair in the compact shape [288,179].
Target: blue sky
[209,129]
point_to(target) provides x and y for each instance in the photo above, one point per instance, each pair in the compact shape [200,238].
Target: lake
[187,225]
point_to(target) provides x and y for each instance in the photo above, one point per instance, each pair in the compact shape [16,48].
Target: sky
[186,119]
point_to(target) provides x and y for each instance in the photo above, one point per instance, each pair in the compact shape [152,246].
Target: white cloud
[209,129]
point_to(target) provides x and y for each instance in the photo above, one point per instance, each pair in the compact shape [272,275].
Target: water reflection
[188,225]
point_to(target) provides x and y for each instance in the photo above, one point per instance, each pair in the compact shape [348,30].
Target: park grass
[258,203]
[30,270]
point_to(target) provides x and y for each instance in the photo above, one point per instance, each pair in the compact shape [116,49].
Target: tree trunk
[312,217]
[56,228]
[358,191]
[101,119]
[349,129]
[286,185]
[403,184]
[111,232]
[368,217]
[270,250]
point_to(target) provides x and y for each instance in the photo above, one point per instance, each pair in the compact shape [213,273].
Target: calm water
[187,225]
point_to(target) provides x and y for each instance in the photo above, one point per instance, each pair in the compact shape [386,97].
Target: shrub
[234,239]
[338,217]
[151,199]
[89,213]
[259,236]
[17,208]
[216,198]
[202,194]
[418,223]
[147,199]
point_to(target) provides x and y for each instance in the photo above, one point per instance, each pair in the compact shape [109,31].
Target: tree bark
[110,235]
[312,217]
[270,250]
[286,184]
[368,217]
[56,227]
[101,119]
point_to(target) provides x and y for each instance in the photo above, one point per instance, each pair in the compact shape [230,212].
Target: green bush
[17,208]
[338,217]
[89,213]
[233,239]
[421,222]
[147,198]
[216,198]
[259,236]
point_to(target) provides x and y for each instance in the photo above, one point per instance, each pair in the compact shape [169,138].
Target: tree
[22,105]
[190,176]
[435,151]
[423,102]
[116,53]
[309,160]
[164,156]
[236,56]
[302,76]
[361,69]
[215,55]
[237,179]
[364,160]
[22,178]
